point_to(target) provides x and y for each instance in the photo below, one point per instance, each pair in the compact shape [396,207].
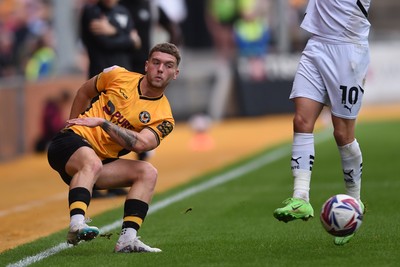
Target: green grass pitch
[231,224]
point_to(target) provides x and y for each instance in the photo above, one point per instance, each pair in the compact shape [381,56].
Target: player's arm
[128,139]
[131,140]
[83,97]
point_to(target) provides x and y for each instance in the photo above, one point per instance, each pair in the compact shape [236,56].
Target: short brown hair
[167,48]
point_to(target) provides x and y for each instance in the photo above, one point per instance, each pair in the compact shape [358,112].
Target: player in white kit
[331,72]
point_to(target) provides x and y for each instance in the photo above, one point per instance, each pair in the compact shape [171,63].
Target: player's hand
[88,122]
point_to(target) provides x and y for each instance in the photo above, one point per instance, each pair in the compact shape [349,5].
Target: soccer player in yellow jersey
[113,113]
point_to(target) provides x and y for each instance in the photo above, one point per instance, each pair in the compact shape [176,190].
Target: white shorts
[333,74]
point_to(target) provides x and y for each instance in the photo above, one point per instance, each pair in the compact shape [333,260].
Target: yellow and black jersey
[120,101]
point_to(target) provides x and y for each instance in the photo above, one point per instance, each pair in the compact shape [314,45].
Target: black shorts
[61,148]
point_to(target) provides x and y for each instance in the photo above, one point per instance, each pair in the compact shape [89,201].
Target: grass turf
[231,224]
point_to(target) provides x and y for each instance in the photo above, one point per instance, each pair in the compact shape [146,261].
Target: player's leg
[141,177]
[78,166]
[351,160]
[350,155]
[303,153]
[310,96]
[346,90]
[121,191]
[84,166]
[298,207]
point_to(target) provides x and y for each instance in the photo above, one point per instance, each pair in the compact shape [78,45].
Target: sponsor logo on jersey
[116,116]
[165,128]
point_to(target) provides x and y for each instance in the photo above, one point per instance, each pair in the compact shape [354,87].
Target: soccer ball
[341,215]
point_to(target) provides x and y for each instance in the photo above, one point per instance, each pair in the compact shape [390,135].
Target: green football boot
[342,240]
[295,208]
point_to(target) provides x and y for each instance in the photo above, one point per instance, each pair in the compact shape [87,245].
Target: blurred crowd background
[239,58]
[33,32]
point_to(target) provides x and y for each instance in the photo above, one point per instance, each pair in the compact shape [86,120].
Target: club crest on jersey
[144,117]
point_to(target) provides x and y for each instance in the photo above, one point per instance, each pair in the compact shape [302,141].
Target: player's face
[161,68]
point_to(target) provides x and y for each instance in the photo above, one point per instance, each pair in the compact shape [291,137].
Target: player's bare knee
[302,125]
[146,174]
[342,138]
[150,174]
[93,166]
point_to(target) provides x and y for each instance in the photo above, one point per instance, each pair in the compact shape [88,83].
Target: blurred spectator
[53,119]
[108,33]
[20,21]
[42,60]
[146,15]
[220,17]
[140,11]
[252,37]
[169,16]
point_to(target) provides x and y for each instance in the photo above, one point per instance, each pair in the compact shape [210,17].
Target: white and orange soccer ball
[341,215]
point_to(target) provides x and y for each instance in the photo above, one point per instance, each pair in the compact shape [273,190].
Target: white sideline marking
[217,180]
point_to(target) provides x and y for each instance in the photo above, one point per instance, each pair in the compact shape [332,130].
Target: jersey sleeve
[162,128]
[107,77]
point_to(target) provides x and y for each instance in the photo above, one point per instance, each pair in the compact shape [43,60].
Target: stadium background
[31,191]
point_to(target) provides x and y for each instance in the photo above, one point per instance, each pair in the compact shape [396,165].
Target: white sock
[301,188]
[77,219]
[127,234]
[301,163]
[351,158]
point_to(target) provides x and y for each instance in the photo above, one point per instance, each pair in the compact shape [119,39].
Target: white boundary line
[213,182]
